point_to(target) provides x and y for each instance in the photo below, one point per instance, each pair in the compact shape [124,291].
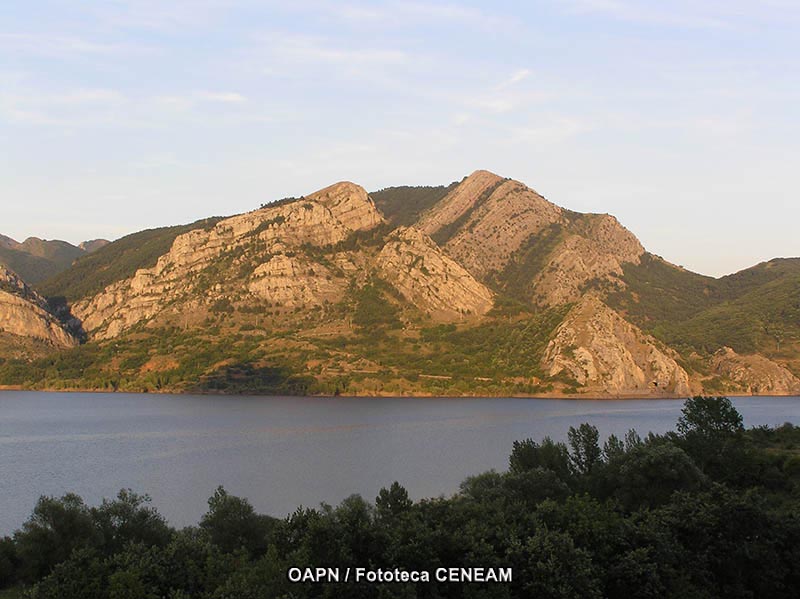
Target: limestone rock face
[23,313]
[486,219]
[755,374]
[429,279]
[600,350]
[488,222]
[594,253]
[350,205]
[323,218]
[290,281]
[459,201]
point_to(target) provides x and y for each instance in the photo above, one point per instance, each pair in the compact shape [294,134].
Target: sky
[678,117]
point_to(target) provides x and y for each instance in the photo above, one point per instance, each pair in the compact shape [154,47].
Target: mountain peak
[350,204]
[8,243]
[92,245]
[482,174]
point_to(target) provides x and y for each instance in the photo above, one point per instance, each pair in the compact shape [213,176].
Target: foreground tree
[232,524]
[709,417]
[56,528]
[641,519]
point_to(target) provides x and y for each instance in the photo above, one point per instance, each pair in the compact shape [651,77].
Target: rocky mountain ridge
[486,288]
[25,315]
[37,259]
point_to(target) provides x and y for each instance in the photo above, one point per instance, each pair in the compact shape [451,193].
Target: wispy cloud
[421,12]
[109,107]
[296,48]
[307,58]
[159,15]
[550,131]
[223,97]
[61,45]
[686,16]
[516,77]
[63,108]
[509,94]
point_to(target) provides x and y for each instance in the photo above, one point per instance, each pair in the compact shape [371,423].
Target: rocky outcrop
[430,280]
[487,223]
[92,245]
[603,352]
[754,374]
[484,221]
[350,205]
[196,263]
[592,255]
[24,313]
[291,281]
[458,202]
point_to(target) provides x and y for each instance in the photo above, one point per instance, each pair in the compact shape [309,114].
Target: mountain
[481,287]
[28,326]
[115,261]
[93,245]
[38,259]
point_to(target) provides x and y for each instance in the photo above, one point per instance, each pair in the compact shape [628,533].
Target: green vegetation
[30,268]
[708,511]
[765,319]
[517,277]
[36,259]
[657,293]
[757,309]
[404,205]
[266,351]
[116,261]
[373,311]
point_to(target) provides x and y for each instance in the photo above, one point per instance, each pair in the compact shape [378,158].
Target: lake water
[281,452]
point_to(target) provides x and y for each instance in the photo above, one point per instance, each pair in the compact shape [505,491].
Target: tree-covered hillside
[36,259]
[755,310]
[403,205]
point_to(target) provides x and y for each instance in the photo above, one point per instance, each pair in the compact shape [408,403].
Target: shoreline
[557,396]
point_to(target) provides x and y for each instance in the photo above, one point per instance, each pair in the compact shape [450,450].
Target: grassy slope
[765,319]
[47,260]
[116,261]
[757,309]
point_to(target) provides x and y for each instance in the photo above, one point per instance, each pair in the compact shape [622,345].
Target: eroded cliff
[604,353]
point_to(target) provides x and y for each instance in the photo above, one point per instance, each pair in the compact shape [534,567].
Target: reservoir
[284,452]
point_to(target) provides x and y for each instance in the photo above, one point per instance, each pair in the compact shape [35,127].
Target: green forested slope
[36,259]
[403,205]
[757,309]
[765,319]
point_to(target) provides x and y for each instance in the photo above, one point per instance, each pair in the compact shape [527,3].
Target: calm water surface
[282,452]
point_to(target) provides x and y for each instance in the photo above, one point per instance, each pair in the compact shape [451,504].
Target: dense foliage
[403,205]
[237,351]
[757,309]
[708,511]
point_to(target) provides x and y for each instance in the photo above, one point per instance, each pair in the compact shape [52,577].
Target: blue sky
[680,118]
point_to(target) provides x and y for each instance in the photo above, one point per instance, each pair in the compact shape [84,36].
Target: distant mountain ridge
[481,287]
[38,259]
